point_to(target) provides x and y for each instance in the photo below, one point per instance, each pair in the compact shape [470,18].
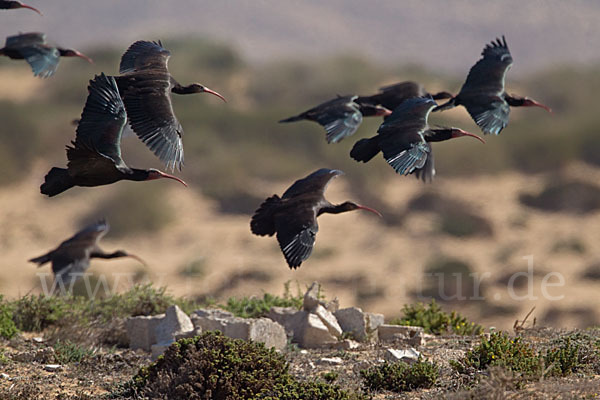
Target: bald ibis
[11,4]
[483,93]
[340,117]
[145,85]
[404,139]
[293,216]
[95,157]
[42,57]
[392,96]
[72,257]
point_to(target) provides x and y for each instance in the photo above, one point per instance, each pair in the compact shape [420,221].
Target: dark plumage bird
[95,157]
[146,86]
[42,57]
[10,4]
[293,216]
[404,139]
[72,257]
[392,96]
[340,117]
[483,93]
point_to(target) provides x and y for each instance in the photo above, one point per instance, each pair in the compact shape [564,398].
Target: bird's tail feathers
[56,181]
[262,222]
[446,106]
[365,149]
[41,260]
[295,118]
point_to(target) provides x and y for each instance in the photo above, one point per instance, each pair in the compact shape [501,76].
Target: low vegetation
[255,307]
[435,320]
[400,377]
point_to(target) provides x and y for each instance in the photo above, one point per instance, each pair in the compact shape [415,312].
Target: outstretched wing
[144,55]
[402,141]
[340,117]
[102,120]
[314,183]
[296,232]
[42,59]
[25,39]
[488,74]
[427,172]
[490,113]
[147,98]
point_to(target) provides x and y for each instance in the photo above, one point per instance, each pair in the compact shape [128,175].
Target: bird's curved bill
[207,90]
[137,258]
[370,209]
[31,8]
[460,132]
[545,107]
[86,58]
[165,175]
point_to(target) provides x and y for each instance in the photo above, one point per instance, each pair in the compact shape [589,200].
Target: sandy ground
[357,258]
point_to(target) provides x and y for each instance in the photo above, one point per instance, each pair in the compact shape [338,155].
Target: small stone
[331,361]
[346,344]
[374,320]
[329,320]
[175,321]
[311,297]
[408,356]
[417,340]
[52,367]
[388,332]
[333,305]
[37,339]
[303,351]
[4,376]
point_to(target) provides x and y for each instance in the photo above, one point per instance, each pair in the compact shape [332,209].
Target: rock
[374,320]
[331,361]
[388,332]
[159,348]
[37,339]
[288,317]
[408,356]
[263,330]
[329,320]
[346,344]
[333,305]
[417,340]
[174,322]
[311,297]
[189,334]
[4,376]
[52,367]
[352,320]
[312,333]
[141,331]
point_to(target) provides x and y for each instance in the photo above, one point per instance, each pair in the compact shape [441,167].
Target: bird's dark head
[18,4]
[443,95]
[156,174]
[527,102]
[350,206]
[74,53]
[198,88]
[370,110]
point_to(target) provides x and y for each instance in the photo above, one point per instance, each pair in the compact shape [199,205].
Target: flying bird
[404,139]
[42,57]
[10,4]
[293,216]
[95,155]
[483,93]
[392,96]
[340,117]
[72,257]
[146,85]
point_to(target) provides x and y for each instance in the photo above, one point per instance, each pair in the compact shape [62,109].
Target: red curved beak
[536,104]
[31,8]
[137,258]
[207,90]
[169,176]
[86,58]
[459,132]
[369,209]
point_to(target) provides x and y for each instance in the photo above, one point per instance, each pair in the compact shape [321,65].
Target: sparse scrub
[66,352]
[400,377]
[8,329]
[572,353]
[254,307]
[35,313]
[216,367]
[435,320]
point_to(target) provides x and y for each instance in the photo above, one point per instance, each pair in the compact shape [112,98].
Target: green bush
[435,320]
[8,329]
[67,352]
[573,353]
[400,377]
[254,307]
[216,367]
[501,350]
[35,313]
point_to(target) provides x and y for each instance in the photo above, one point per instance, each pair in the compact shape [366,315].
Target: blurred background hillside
[531,191]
